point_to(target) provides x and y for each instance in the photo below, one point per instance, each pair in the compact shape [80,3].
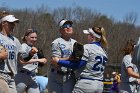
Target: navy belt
[90,79]
[61,72]
[133,83]
[27,72]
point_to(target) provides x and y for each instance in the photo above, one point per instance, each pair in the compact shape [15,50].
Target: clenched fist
[3,53]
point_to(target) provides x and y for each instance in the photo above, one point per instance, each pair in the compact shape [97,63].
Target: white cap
[90,31]
[113,73]
[62,22]
[9,18]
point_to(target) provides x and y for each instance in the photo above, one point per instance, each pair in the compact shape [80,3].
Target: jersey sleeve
[127,62]
[85,54]
[72,64]
[19,47]
[26,49]
[22,50]
[56,51]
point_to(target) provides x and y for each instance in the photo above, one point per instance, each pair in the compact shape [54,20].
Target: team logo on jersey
[64,50]
[67,52]
[62,46]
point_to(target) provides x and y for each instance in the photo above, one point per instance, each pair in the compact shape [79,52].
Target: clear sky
[112,8]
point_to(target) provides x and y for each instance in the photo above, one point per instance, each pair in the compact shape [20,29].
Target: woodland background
[46,23]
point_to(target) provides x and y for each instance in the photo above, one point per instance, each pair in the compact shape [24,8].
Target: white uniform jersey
[13,47]
[62,48]
[126,62]
[96,59]
[30,67]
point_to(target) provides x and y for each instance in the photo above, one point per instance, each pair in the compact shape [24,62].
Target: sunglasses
[67,25]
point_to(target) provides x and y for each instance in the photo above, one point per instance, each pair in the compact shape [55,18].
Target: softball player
[61,79]
[25,79]
[95,57]
[8,62]
[129,72]
[116,82]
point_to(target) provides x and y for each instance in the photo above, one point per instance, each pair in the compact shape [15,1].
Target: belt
[61,72]
[133,83]
[10,74]
[27,72]
[90,78]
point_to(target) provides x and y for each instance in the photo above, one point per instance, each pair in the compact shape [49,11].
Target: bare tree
[131,18]
[47,25]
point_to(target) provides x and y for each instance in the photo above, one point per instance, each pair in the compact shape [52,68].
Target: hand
[3,54]
[42,60]
[54,60]
[33,50]
[138,81]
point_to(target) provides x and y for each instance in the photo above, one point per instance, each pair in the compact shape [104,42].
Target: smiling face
[31,38]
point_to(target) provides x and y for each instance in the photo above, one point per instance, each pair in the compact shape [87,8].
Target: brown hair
[28,32]
[129,47]
[100,31]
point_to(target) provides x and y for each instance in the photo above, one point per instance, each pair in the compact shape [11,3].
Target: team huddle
[74,68]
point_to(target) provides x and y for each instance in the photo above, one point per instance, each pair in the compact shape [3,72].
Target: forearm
[42,60]
[55,59]
[0,55]
[29,62]
[27,58]
[132,73]
[67,58]
[71,64]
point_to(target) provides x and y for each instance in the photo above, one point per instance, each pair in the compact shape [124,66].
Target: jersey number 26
[99,66]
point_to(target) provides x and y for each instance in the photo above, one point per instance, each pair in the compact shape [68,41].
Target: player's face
[89,38]
[8,26]
[67,30]
[31,38]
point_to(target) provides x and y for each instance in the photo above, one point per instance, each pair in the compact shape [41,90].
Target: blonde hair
[100,31]
[3,14]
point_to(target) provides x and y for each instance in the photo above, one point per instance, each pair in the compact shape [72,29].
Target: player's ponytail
[100,31]
[103,38]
